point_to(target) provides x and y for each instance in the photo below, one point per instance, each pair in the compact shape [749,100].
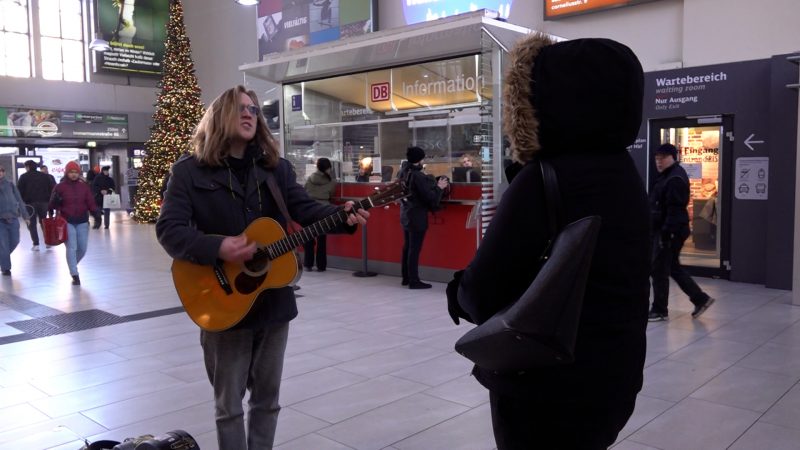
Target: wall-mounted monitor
[417,11]
[136,31]
[557,9]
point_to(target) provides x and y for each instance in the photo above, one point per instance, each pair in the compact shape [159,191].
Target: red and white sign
[380,92]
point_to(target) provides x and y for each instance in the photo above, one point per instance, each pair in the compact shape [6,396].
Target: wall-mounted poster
[136,30]
[291,24]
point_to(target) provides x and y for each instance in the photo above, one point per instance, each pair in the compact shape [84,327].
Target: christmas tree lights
[178,110]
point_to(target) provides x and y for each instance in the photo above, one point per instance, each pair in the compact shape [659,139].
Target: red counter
[448,245]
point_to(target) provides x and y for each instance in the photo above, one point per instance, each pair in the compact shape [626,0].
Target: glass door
[703,146]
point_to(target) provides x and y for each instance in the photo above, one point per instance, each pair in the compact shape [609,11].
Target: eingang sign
[556,9]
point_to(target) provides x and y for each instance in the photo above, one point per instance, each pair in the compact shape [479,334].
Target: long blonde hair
[212,137]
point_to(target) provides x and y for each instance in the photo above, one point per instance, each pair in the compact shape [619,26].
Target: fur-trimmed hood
[583,95]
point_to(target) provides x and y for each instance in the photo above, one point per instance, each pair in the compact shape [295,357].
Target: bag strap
[276,194]
[552,194]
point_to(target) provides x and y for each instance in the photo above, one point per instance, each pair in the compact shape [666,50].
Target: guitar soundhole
[256,265]
[246,284]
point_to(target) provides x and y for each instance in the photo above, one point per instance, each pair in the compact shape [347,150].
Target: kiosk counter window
[363,101]
[365,122]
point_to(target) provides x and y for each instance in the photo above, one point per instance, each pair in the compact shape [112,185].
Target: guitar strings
[288,243]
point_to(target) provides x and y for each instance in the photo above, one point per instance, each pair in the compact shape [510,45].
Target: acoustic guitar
[220,296]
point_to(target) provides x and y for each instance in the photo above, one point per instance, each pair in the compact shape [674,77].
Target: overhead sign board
[556,9]
[47,123]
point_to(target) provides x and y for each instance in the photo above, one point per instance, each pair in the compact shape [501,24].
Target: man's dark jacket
[102,182]
[35,187]
[669,198]
[203,205]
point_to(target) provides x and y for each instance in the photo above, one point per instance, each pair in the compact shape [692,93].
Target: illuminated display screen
[136,31]
[555,9]
[417,11]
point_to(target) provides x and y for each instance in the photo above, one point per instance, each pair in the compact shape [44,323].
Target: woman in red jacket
[73,199]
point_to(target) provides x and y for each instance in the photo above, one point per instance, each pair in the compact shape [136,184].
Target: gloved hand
[453,308]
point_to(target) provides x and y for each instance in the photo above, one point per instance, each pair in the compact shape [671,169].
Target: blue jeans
[77,240]
[9,239]
[238,360]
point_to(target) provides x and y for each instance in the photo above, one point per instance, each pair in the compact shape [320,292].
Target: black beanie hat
[668,149]
[415,155]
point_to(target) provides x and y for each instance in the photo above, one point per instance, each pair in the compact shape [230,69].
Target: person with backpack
[426,193]
[320,186]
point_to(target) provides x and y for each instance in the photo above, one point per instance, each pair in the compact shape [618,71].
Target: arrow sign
[750,140]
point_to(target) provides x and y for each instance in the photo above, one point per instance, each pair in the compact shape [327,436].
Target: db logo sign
[380,92]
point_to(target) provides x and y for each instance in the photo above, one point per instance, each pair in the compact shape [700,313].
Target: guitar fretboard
[309,233]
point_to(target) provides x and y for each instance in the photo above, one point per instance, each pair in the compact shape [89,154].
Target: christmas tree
[178,111]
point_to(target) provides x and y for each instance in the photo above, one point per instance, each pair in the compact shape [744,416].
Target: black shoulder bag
[540,328]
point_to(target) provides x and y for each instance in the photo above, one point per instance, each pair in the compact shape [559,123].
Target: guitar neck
[311,232]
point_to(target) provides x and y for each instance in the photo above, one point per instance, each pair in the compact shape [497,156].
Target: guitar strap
[276,194]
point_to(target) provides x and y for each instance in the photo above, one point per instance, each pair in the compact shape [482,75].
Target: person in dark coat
[669,198]
[103,185]
[426,193]
[320,186]
[46,171]
[578,105]
[35,188]
[211,198]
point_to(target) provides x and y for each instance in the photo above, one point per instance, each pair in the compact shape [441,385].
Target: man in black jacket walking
[103,185]
[35,188]
[669,198]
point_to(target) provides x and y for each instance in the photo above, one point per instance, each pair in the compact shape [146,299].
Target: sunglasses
[252,109]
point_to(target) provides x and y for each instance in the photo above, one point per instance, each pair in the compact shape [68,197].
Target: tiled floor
[369,364]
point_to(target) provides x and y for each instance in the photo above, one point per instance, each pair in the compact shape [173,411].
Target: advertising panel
[56,161]
[291,24]
[417,11]
[41,123]
[136,30]
[556,9]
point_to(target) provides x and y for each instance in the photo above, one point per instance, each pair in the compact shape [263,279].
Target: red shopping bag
[55,230]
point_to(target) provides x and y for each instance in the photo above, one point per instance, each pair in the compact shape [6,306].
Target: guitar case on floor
[172,440]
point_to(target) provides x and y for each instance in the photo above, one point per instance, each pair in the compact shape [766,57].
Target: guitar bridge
[222,279]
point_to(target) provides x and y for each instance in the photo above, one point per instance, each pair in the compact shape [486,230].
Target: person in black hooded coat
[426,193]
[578,105]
